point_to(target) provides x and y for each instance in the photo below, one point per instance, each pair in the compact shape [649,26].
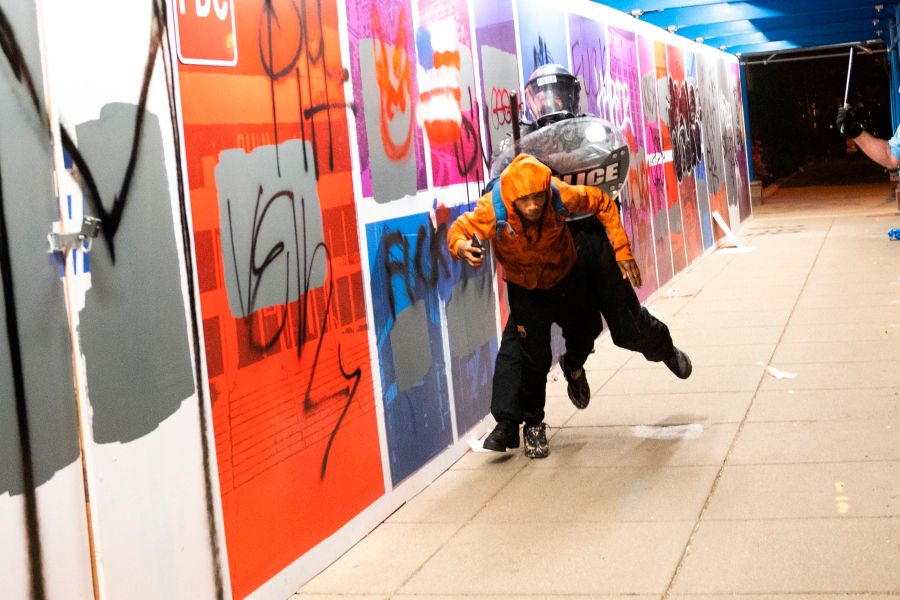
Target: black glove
[847,124]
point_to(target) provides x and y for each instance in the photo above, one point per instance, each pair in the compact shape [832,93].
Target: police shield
[579,151]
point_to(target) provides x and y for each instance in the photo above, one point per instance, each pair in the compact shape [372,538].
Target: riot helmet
[552,94]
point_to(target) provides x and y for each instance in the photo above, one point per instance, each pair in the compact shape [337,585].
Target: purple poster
[496,35]
[589,51]
[606,63]
[383,68]
[621,96]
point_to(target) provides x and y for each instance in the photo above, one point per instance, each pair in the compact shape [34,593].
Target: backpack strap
[499,207]
[562,212]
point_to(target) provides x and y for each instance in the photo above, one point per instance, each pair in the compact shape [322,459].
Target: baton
[849,70]
[514,109]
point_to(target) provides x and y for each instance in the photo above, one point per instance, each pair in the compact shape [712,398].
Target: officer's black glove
[847,124]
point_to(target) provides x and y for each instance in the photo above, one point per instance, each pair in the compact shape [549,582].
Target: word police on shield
[205,32]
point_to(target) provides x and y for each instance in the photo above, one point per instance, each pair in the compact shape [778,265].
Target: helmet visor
[552,95]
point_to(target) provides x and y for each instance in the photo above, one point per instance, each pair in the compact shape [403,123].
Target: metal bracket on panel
[63,242]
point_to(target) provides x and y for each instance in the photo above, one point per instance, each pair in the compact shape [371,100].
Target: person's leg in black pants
[508,406]
[631,326]
[533,314]
[577,315]
[505,391]
[507,376]
[534,311]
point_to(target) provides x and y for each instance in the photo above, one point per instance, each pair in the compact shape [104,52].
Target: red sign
[205,32]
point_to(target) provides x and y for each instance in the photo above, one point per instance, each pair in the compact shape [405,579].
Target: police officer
[552,94]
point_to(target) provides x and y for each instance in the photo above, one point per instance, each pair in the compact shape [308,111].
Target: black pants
[569,305]
[630,325]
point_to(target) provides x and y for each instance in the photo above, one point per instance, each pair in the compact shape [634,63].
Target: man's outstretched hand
[847,124]
[470,253]
[631,272]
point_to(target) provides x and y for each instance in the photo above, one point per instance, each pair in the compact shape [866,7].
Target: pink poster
[623,96]
[448,104]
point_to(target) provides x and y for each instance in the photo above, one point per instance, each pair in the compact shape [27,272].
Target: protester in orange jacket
[544,284]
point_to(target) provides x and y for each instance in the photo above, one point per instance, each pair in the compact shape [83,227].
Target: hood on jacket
[524,175]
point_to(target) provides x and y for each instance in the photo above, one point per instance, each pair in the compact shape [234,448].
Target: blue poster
[405,262]
[542,37]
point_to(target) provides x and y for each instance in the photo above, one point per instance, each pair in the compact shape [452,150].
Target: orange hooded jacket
[542,263]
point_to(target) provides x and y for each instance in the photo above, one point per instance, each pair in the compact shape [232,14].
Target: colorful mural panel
[712,101]
[385,94]
[282,298]
[472,335]
[605,61]
[314,357]
[496,42]
[740,143]
[685,149]
[448,100]
[673,205]
[694,125]
[624,93]
[542,36]
[655,171]
[406,260]
[726,116]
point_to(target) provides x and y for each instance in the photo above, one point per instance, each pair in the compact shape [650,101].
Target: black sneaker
[578,388]
[505,435]
[679,363]
[536,441]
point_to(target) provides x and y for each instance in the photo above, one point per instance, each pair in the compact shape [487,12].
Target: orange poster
[278,264]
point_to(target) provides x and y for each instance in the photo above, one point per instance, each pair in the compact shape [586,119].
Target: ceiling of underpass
[771,29]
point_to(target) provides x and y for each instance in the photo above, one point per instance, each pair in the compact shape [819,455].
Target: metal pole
[849,71]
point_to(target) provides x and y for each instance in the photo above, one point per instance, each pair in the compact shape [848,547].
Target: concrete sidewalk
[733,482]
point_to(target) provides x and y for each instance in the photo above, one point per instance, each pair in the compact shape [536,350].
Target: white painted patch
[669,432]
[778,373]
[739,250]
[730,238]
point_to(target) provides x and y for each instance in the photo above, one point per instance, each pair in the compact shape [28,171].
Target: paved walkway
[733,482]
